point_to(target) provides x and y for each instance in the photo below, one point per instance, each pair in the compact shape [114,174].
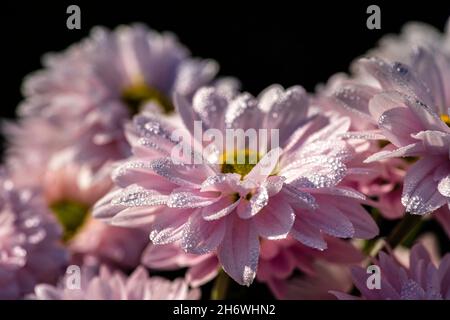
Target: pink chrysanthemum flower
[229,206]
[327,277]
[201,268]
[30,251]
[427,52]
[384,179]
[71,198]
[100,283]
[285,264]
[279,263]
[409,104]
[414,37]
[90,91]
[421,280]
[70,191]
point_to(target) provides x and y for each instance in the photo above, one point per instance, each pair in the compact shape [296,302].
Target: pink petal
[307,234]
[363,224]
[275,220]
[169,224]
[136,217]
[203,272]
[398,124]
[406,151]
[265,166]
[188,175]
[190,198]
[420,194]
[220,208]
[226,183]
[201,236]
[330,220]
[248,209]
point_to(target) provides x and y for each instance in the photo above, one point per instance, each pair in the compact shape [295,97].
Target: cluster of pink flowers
[106,174]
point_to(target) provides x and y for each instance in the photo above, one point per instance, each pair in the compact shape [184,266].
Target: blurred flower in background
[30,251]
[100,283]
[419,279]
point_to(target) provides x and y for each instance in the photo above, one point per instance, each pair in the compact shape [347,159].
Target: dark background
[261,42]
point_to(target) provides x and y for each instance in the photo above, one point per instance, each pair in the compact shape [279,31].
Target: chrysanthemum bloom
[421,280]
[427,53]
[30,250]
[384,179]
[233,199]
[327,277]
[201,268]
[78,105]
[71,199]
[70,193]
[414,37]
[73,118]
[101,283]
[285,264]
[279,263]
[411,113]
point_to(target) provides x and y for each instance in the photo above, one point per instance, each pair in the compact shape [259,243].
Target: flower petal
[420,193]
[201,236]
[220,208]
[275,220]
[307,234]
[250,208]
[239,251]
[169,224]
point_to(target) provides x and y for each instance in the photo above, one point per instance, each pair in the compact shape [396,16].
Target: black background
[259,42]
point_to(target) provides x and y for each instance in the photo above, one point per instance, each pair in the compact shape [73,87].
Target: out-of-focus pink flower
[71,199]
[411,114]
[201,268]
[321,271]
[408,101]
[70,191]
[421,280]
[384,180]
[101,283]
[414,36]
[121,247]
[278,262]
[443,216]
[72,121]
[328,277]
[30,250]
[79,104]
[426,51]
[226,208]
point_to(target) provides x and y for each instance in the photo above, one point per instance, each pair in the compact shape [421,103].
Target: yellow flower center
[446,119]
[239,161]
[71,215]
[136,95]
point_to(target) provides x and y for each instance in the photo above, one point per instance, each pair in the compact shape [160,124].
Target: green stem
[220,288]
[404,229]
